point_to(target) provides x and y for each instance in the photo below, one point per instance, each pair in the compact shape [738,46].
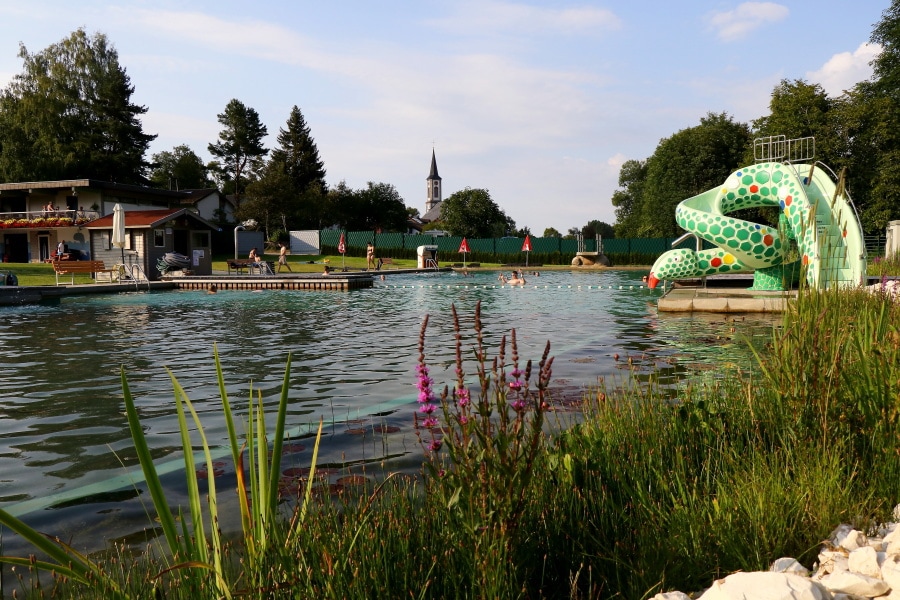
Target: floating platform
[723,294]
[336,281]
[724,300]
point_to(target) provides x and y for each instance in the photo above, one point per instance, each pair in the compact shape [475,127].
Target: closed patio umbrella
[118,232]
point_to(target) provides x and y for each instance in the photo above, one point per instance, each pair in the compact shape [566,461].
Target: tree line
[858,131]
[69,114]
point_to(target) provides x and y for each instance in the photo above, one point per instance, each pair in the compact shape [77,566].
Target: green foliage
[595,228]
[886,65]
[69,115]
[472,213]
[298,156]
[271,200]
[491,439]
[797,110]
[179,169]
[240,149]
[551,232]
[377,207]
[291,190]
[688,163]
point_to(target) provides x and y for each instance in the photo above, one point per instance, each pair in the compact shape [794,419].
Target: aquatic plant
[482,453]
[196,550]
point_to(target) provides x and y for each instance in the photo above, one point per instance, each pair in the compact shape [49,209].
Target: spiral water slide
[819,235]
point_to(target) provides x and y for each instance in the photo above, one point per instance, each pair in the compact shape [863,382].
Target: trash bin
[427,257]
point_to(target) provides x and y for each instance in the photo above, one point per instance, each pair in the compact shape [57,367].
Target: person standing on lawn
[282,259]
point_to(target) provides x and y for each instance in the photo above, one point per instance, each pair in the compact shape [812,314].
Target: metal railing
[47,218]
[777,148]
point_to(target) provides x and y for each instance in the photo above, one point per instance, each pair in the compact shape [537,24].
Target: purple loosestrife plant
[480,458]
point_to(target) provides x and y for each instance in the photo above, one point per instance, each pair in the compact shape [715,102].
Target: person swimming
[514,279]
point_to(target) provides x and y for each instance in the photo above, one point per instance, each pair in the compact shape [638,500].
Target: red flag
[342,246]
[526,245]
[464,246]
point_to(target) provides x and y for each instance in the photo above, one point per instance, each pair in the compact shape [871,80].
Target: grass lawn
[32,274]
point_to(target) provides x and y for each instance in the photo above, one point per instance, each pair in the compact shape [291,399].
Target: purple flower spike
[427,408]
[515,385]
[429,422]
[435,445]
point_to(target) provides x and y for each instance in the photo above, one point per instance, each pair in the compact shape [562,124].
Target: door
[16,247]
[44,247]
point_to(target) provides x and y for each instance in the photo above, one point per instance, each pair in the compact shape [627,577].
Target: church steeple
[434,185]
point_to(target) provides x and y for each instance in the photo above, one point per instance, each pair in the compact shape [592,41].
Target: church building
[433,193]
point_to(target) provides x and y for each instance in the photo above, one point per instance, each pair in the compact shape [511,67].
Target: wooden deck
[301,281]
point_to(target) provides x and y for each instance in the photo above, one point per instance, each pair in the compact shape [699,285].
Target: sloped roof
[146,219]
[195,196]
[433,214]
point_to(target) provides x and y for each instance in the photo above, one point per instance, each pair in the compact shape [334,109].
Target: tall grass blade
[212,501]
[300,515]
[197,549]
[278,442]
[166,519]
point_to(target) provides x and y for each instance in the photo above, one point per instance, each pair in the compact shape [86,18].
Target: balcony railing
[42,219]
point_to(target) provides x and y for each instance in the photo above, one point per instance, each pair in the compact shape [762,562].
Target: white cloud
[523,18]
[616,161]
[247,37]
[844,70]
[736,24]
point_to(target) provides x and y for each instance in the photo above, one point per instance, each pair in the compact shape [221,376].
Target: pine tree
[240,149]
[299,156]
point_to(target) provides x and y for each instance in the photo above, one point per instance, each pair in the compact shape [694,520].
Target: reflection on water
[353,355]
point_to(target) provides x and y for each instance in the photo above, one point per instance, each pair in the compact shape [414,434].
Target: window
[159,238]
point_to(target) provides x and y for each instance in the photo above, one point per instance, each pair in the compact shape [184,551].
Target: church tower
[434,186]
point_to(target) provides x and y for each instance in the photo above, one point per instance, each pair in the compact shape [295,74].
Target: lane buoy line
[510,287]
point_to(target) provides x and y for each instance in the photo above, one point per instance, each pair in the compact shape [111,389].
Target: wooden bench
[238,264]
[266,267]
[72,267]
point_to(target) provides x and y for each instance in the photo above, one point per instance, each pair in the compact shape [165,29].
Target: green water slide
[818,235]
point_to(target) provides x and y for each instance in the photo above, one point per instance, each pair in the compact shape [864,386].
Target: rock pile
[888,287]
[850,566]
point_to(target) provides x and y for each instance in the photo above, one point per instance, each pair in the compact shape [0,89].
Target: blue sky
[538,102]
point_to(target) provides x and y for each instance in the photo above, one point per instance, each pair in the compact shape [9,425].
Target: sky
[540,103]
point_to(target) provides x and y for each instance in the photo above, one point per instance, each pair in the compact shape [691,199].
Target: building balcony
[46,219]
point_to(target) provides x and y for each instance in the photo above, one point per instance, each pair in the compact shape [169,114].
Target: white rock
[832,561]
[671,596]
[890,572]
[767,585]
[848,538]
[865,562]
[892,545]
[789,565]
[896,513]
[855,584]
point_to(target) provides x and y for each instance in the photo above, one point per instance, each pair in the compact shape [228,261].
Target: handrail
[45,218]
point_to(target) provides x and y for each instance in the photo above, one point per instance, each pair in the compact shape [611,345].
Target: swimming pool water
[62,423]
